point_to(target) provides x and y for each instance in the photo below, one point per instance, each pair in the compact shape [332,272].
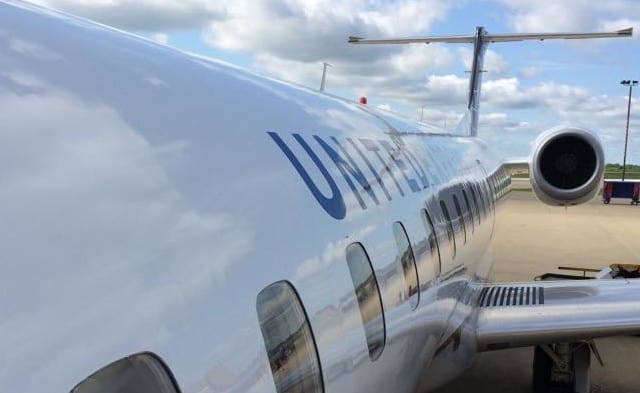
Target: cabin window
[486,188]
[475,190]
[494,190]
[450,233]
[288,339]
[469,210]
[369,300]
[507,178]
[461,222]
[432,242]
[140,373]
[408,263]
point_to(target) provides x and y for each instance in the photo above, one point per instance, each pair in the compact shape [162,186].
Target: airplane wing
[544,312]
[516,163]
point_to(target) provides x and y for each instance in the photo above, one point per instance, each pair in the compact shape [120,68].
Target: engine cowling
[566,166]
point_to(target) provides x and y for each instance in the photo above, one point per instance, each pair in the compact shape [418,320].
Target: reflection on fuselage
[288,340]
[368,295]
[450,289]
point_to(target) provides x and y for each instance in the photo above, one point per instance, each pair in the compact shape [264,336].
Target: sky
[528,87]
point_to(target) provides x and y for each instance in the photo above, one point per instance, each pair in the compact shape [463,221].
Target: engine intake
[566,166]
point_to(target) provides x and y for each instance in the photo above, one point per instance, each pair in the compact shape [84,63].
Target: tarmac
[530,239]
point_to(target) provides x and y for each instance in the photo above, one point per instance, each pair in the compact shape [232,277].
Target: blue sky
[528,88]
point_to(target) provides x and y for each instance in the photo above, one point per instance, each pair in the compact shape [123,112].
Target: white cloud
[441,117]
[332,253]
[571,15]
[160,38]
[446,89]
[550,15]
[318,31]
[291,40]
[502,121]
[400,75]
[494,63]
[530,72]
[143,15]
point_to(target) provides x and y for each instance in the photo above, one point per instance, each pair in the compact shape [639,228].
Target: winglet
[628,32]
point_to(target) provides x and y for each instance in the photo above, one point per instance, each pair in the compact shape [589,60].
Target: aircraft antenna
[480,41]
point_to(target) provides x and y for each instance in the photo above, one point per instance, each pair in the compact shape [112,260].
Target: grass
[618,175]
[611,171]
[607,175]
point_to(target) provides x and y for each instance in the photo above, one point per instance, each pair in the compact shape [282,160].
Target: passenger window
[492,188]
[469,210]
[486,188]
[450,233]
[496,188]
[475,187]
[408,262]
[140,373]
[432,242]
[288,339]
[456,204]
[369,300]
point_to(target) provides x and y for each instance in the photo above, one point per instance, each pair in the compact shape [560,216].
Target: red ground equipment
[621,189]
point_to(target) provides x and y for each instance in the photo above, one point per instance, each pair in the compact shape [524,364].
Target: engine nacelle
[566,166]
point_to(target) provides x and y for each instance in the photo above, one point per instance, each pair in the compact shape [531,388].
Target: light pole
[324,75]
[629,83]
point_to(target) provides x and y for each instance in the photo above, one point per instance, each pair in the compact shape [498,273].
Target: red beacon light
[363,100]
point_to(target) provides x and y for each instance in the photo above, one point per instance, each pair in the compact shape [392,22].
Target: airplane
[173,223]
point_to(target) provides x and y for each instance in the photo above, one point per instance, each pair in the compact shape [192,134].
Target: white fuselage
[146,203]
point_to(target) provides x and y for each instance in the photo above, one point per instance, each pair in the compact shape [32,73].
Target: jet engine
[566,166]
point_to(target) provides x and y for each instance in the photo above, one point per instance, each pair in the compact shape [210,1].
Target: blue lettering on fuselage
[348,169]
[394,153]
[398,156]
[333,205]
